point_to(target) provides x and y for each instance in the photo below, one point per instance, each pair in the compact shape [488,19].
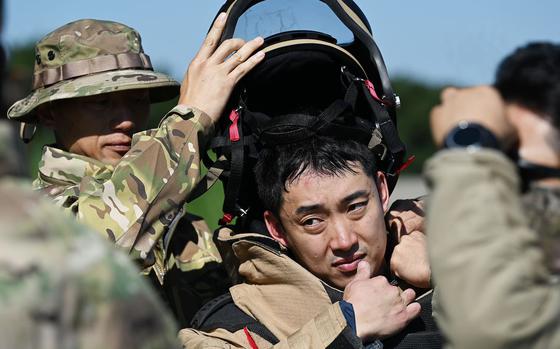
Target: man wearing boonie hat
[93,85]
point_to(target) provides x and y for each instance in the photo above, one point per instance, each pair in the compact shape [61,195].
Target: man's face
[331,223]
[99,127]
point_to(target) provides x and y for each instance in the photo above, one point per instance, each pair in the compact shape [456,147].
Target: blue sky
[439,41]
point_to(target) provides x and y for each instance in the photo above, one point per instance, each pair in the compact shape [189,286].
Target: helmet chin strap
[27,131]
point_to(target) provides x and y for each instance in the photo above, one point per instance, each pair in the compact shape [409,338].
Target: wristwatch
[470,135]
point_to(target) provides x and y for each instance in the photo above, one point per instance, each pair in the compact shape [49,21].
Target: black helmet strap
[386,133]
[296,127]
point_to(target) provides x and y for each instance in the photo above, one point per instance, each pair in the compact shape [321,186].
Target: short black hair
[530,76]
[280,165]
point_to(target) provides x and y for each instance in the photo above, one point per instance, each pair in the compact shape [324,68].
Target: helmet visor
[271,17]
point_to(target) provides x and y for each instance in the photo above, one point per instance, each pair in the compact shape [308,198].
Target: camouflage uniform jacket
[541,203]
[62,286]
[137,203]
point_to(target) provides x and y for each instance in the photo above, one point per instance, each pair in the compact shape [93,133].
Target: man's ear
[382,190]
[275,228]
[46,116]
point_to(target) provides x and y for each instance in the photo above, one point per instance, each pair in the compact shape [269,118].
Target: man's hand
[410,262]
[380,309]
[481,104]
[404,217]
[215,70]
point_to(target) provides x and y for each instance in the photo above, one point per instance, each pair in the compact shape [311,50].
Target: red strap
[371,89]
[250,338]
[233,128]
[226,219]
[406,164]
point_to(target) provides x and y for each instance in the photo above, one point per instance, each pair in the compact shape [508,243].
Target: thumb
[363,272]
[412,311]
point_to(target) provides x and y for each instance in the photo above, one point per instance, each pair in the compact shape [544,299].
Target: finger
[418,235]
[413,310]
[212,38]
[420,202]
[396,228]
[243,53]
[448,93]
[435,120]
[242,69]
[364,271]
[408,295]
[225,49]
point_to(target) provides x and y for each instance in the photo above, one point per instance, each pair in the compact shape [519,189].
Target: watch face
[467,135]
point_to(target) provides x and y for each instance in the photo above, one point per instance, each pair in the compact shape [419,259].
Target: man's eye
[311,222]
[357,206]
[99,103]
[140,99]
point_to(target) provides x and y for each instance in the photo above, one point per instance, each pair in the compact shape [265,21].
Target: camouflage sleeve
[62,286]
[135,204]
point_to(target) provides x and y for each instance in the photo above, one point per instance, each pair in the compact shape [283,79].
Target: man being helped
[496,281]
[93,86]
[317,280]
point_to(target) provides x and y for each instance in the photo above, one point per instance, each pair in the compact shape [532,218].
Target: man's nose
[344,236]
[123,117]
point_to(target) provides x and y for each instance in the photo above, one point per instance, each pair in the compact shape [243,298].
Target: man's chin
[342,281]
[111,157]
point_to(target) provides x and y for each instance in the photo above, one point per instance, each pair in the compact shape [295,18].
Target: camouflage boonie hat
[90,57]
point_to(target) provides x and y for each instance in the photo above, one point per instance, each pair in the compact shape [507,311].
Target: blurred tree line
[413,121]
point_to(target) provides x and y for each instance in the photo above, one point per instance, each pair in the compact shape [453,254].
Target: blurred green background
[417,99]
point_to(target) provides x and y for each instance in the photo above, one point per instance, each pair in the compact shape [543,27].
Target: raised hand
[404,217]
[481,104]
[214,71]
[380,309]
[409,260]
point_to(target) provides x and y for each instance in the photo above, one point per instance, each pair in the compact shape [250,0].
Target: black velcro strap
[422,340]
[221,142]
[337,108]
[351,96]
[288,128]
[222,313]
[235,171]
[387,127]
[297,127]
[422,332]
[210,308]
[389,131]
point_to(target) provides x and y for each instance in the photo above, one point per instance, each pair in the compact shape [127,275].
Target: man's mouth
[349,264]
[120,146]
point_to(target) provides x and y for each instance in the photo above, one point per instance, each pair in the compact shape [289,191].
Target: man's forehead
[313,177]
[312,188]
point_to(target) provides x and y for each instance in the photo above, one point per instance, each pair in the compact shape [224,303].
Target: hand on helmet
[215,70]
